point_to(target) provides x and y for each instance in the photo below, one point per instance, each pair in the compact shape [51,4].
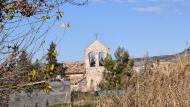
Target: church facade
[86,75]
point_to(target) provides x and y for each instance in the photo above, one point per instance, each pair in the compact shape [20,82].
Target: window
[92,59]
[101,59]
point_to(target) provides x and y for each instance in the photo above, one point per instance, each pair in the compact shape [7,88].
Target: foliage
[117,71]
[83,99]
[27,8]
[162,85]
[51,55]
[60,105]
[19,73]
[23,23]
[24,59]
[24,26]
[53,65]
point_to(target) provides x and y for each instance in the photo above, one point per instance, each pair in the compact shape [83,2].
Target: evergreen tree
[24,59]
[117,71]
[52,62]
[108,63]
[52,53]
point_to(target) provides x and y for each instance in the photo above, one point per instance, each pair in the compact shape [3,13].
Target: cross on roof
[96,36]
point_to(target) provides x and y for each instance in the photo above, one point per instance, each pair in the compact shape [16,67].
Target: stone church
[86,75]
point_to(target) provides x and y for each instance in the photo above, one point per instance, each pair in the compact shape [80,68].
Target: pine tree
[117,71]
[52,62]
[52,53]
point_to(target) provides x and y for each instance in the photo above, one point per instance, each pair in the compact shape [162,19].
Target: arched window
[92,59]
[101,58]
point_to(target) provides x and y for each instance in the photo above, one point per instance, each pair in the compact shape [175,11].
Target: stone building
[85,76]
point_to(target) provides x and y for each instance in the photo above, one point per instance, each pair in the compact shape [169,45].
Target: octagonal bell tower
[94,56]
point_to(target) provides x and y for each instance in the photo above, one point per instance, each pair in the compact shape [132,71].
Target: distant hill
[138,61]
[186,51]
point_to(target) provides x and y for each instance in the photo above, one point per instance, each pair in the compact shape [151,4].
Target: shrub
[164,85]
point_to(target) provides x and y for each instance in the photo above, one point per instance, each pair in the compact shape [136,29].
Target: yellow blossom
[32,74]
[47,88]
[52,66]
[55,53]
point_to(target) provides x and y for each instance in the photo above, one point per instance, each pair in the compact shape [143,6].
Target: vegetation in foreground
[24,27]
[117,71]
[60,105]
[160,85]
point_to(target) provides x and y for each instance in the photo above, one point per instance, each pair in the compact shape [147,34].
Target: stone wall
[94,77]
[60,94]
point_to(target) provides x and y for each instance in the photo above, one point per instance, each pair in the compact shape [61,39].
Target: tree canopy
[26,23]
[24,26]
[117,71]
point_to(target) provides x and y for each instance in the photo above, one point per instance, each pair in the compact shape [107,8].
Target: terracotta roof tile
[75,68]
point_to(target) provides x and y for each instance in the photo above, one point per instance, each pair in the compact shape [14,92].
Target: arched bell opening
[92,59]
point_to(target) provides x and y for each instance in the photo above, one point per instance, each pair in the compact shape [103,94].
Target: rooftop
[75,68]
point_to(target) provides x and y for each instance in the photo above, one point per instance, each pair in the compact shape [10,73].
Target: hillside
[139,61]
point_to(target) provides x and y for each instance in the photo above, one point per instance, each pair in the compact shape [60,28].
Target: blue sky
[155,26]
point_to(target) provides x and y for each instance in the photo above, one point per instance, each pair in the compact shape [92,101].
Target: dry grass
[166,86]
